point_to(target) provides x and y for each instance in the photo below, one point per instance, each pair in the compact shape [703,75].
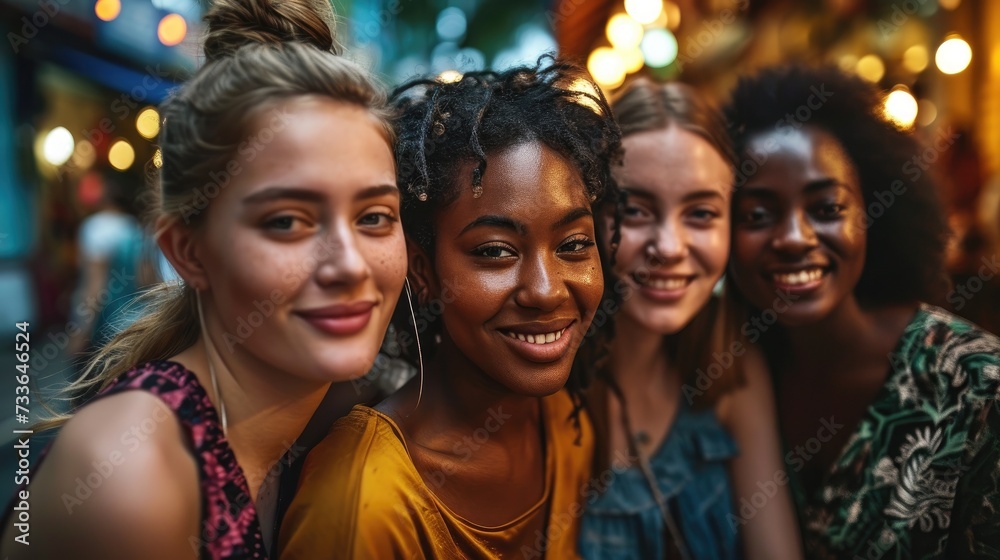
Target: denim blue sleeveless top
[624,522]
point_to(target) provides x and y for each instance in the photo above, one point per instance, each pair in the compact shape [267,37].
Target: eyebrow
[811,187]
[309,195]
[572,216]
[694,195]
[496,221]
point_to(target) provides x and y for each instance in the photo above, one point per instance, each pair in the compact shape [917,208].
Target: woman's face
[799,235]
[521,268]
[303,250]
[675,229]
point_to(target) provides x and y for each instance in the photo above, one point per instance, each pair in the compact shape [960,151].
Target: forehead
[672,161]
[528,181]
[793,158]
[312,140]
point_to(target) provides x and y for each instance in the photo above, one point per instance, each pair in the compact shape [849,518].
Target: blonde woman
[280,212]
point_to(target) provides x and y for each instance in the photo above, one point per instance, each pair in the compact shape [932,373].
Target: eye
[754,216]
[494,251]
[377,219]
[830,210]
[576,245]
[704,215]
[281,223]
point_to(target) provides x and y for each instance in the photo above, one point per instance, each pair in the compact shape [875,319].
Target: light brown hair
[258,54]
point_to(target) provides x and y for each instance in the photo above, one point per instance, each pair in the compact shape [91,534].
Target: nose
[668,243]
[339,259]
[794,235]
[542,287]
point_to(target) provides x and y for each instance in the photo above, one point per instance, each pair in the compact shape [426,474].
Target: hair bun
[235,23]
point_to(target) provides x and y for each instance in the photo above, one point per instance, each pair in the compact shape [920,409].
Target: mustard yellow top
[361,497]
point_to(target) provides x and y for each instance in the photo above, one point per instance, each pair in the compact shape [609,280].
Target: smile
[798,278]
[663,288]
[542,338]
[539,343]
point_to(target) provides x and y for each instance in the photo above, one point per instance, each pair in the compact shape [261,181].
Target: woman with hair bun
[485,456]
[292,256]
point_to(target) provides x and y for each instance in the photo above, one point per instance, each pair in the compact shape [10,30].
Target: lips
[539,342]
[802,279]
[663,288]
[340,319]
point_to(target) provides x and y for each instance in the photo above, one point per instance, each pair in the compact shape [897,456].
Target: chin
[664,322]
[535,383]
[342,364]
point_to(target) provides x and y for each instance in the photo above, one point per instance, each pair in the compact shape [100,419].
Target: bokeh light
[172,29]
[623,32]
[659,48]
[644,11]
[148,123]
[915,58]
[58,146]
[107,10]
[953,56]
[121,155]
[900,107]
[871,68]
[607,67]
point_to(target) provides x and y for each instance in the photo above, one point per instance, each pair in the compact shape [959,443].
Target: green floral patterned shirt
[920,476]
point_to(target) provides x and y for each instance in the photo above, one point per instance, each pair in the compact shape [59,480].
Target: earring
[211,368]
[420,355]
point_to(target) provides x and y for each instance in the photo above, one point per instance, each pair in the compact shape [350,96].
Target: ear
[421,274]
[179,246]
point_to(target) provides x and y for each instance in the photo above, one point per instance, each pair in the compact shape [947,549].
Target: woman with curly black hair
[485,455]
[887,405]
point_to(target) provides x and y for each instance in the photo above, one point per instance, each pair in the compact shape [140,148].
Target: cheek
[711,248]
[630,249]
[588,282]
[386,257]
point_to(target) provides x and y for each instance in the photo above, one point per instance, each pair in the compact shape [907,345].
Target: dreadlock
[443,126]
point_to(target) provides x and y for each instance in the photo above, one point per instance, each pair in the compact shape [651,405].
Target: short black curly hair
[443,126]
[906,243]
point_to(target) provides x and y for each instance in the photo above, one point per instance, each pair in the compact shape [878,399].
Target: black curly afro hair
[441,127]
[906,242]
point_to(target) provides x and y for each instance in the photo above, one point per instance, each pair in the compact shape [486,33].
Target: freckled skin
[661,168]
[542,275]
[288,255]
[778,221]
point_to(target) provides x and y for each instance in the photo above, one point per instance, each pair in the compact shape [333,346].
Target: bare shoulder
[118,482]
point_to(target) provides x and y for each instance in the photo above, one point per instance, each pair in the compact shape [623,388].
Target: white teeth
[800,277]
[666,283]
[537,338]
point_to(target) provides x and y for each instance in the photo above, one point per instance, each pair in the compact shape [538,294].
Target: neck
[266,409]
[638,356]
[870,333]
[458,397]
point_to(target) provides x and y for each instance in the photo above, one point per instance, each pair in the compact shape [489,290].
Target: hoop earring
[420,354]
[211,368]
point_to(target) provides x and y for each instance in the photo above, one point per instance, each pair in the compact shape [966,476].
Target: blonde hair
[258,53]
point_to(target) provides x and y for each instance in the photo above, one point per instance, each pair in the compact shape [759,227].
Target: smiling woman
[292,256]
[910,466]
[486,455]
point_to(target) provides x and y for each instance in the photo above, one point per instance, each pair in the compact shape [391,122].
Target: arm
[749,413]
[104,492]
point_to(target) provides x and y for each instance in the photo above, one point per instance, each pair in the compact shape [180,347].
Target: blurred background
[81,80]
